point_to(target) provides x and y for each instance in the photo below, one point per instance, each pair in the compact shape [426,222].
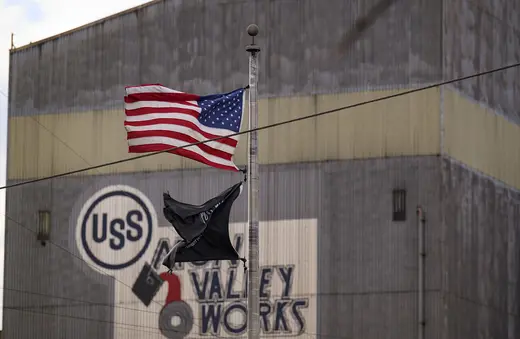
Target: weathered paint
[479,36]
[406,125]
[364,261]
[199,46]
[402,126]
[481,139]
[210,297]
[366,278]
[481,255]
[366,264]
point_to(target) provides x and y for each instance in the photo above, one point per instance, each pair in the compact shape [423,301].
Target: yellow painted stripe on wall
[407,125]
[481,139]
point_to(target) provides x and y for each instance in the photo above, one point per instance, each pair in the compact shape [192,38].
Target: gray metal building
[455,150]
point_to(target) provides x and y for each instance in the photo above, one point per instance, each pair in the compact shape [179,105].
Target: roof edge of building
[82,27]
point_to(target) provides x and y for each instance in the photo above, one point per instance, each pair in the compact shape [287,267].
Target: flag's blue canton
[222,110]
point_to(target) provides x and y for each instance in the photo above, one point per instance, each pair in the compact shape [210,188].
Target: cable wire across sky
[141,328]
[290,121]
[383,98]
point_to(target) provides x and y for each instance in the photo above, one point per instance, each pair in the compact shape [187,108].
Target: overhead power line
[384,98]
[53,134]
[150,329]
[116,324]
[83,260]
[137,327]
[239,133]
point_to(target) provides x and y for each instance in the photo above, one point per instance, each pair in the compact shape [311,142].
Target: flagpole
[253,313]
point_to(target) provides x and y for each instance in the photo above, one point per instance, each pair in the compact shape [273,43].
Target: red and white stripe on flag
[159,118]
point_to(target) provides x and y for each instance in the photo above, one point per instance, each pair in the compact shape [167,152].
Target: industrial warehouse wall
[66,97]
[70,88]
[354,270]
[65,113]
[199,46]
[477,36]
[358,278]
[398,127]
[481,256]
[481,211]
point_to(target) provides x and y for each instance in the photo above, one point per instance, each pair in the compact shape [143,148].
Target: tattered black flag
[204,229]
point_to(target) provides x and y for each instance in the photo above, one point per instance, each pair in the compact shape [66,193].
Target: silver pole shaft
[253,313]
[420,272]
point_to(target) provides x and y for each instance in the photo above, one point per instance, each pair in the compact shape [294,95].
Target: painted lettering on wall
[120,230]
[222,296]
[115,227]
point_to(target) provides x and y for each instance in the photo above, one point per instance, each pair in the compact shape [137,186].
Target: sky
[30,21]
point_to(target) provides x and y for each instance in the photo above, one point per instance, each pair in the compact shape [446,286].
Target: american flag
[159,118]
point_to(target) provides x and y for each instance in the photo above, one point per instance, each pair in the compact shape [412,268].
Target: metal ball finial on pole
[253,312]
[252,30]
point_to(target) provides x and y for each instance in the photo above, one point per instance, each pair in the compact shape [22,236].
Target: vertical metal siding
[480,255]
[365,262]
[481,138]
[479,35]
[85,69]
[366,267]
[407,125]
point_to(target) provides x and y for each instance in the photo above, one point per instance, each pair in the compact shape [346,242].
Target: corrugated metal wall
[66,101]
[366,268]
[199,46]
[479,35]
[480,219]
[481,255]
[396,127]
